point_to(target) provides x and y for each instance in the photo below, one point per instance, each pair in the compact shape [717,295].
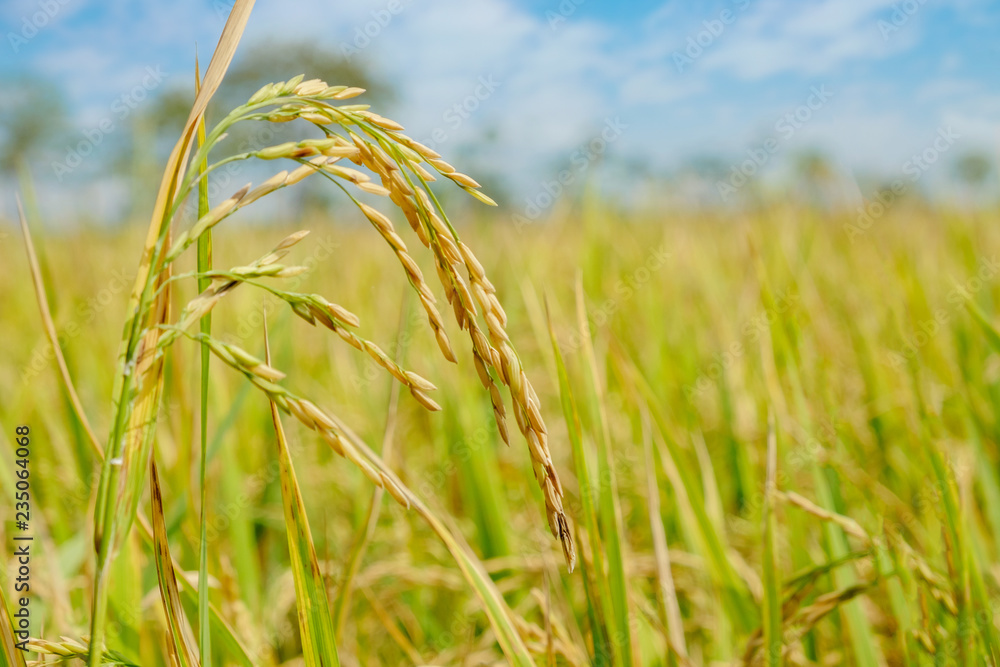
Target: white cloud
[556,88]
[809,38]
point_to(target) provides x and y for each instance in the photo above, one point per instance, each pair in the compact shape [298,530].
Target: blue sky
[680,80]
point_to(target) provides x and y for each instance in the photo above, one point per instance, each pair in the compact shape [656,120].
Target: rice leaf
[182,642]
[319,645]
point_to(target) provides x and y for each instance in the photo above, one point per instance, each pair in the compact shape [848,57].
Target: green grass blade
[772,625]
[668,592]
[500,616]
[609,504]
[204,264]
[992,334]
[780,356]
[10,656]
[692,512]
[365,533]
[319,645]
[601,604]
[50,330]
[115,511]
[185,651]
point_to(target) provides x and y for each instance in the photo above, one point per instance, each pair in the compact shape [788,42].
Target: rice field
[667,437]
[694,350]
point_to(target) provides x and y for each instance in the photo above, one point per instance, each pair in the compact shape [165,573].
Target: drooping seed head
[463,179]
[286,149]
[288,87]
[267,92]
[424,399]
[347,93]
[486,199]
[373,189]
[265,188]
[310,88]
[441,166]
[214,216]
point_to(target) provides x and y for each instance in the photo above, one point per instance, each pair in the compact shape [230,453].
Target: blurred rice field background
[866,362]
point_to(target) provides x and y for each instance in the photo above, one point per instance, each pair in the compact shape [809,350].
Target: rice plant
[765,456]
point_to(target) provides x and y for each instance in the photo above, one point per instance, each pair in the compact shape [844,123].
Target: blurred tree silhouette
[816,178]
[260,64]
[30,121]
[268,62]
[709,167]
[972,169]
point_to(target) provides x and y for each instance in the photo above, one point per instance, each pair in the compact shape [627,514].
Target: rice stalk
[319,644]
[670,610]
[204,265]
[183,648]
[608,502]
[599,603]
[137,381]
[11,655]
[367,529]
[772,626]
[50,332]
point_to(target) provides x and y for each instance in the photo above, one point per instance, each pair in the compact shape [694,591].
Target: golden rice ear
[404,168]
